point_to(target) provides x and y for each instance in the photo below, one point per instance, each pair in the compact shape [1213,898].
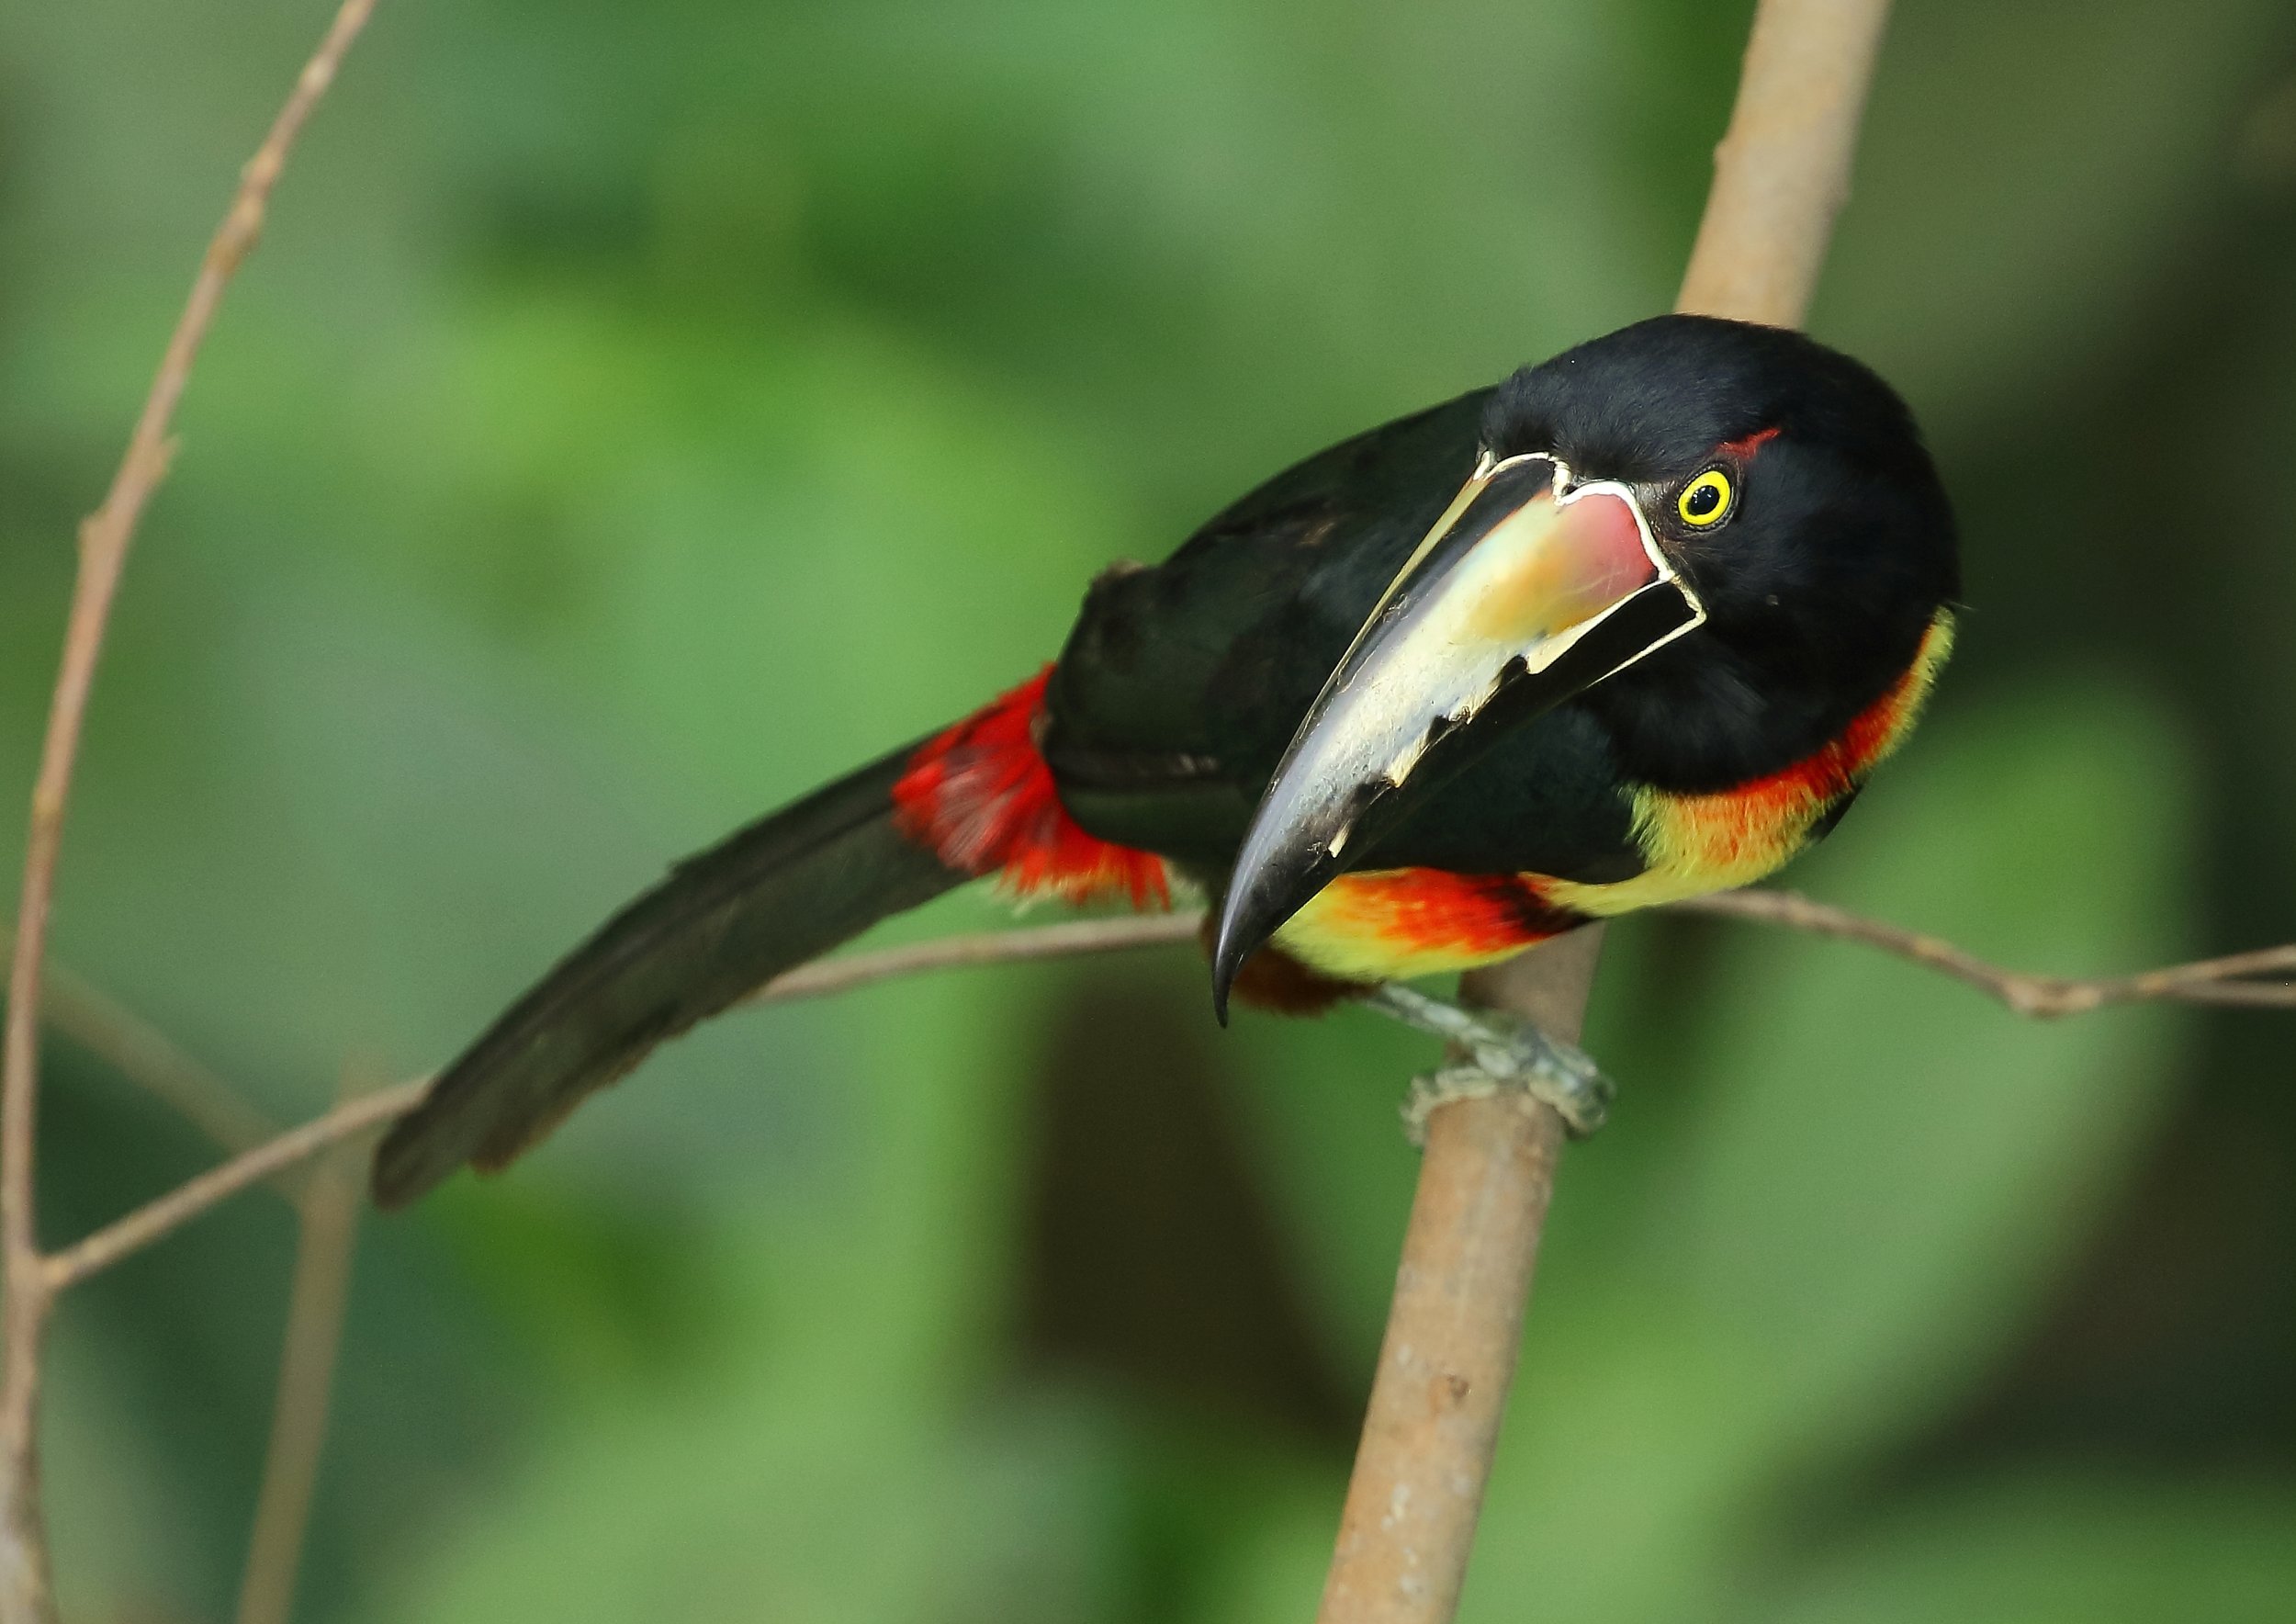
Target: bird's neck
[1715,719]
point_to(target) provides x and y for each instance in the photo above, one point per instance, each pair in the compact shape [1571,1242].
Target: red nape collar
[1746,445]
[981,797]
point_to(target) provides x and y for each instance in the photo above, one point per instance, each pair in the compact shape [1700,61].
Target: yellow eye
[1705,499]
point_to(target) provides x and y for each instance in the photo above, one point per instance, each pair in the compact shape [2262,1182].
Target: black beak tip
[1257,905]
[1243,926]
[1225,961]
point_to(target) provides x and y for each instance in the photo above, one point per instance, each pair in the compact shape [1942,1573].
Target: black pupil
[1704,499]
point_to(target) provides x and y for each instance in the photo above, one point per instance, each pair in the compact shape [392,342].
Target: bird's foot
[1501,1053]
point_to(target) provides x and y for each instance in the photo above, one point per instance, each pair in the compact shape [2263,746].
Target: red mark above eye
[1743,449]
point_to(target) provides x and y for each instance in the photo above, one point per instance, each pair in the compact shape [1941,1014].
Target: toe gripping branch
[1496,1053]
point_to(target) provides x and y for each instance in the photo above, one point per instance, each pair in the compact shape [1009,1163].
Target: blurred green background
[638,412]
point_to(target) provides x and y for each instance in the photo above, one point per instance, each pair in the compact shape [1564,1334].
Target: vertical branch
[1448,1357]
[1781,174]
[104,536]
[327,1213]
[1781,171]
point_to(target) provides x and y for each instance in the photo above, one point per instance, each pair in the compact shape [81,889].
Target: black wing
[1182,684]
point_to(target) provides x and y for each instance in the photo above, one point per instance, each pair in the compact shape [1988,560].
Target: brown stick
[1781,174]
[125,1236]
[828,976]
[149,1058]
[2203,981]
[327,1213]
[24,1596]
[1452,1332]
[1781,171]
[2222,980]
[160,1217]
[1536,975]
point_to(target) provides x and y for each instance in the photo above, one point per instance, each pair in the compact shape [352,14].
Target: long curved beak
[1528,589]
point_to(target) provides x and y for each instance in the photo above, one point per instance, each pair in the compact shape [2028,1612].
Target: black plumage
[1182,686]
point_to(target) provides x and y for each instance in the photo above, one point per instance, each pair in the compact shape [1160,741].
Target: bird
[1634,625]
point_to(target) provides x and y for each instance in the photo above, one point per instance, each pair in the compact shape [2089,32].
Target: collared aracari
[1632,626]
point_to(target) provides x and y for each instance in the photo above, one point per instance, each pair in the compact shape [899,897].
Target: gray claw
[1504,1052]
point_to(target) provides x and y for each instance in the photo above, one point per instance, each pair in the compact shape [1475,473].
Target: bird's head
[1723,539]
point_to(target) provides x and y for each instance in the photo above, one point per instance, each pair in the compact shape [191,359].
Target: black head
[1821,546]
[1723,541]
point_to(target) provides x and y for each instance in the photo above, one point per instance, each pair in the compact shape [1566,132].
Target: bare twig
[2224,980]
[1780,176]
[24,1596]
[987,947]
[149,1058]
[2204,981]
[1781,171]
[155,1219]
[1448,1357]
[160,1217]
[327,1214]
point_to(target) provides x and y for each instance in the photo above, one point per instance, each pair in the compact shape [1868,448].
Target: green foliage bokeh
[637,413]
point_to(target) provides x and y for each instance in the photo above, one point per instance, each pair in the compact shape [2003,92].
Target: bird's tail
[788,887]
[975,799]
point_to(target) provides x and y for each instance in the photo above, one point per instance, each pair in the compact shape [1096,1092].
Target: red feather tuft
[982,797]
[1746,445]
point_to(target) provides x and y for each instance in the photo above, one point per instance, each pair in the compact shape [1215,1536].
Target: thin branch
[83,1012]
[158,1218]
[2203,981]
[326,1233]
[1440,1388]
[154,1219]
[828,976]
[105,536]
[147,1057]
[1782,172]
